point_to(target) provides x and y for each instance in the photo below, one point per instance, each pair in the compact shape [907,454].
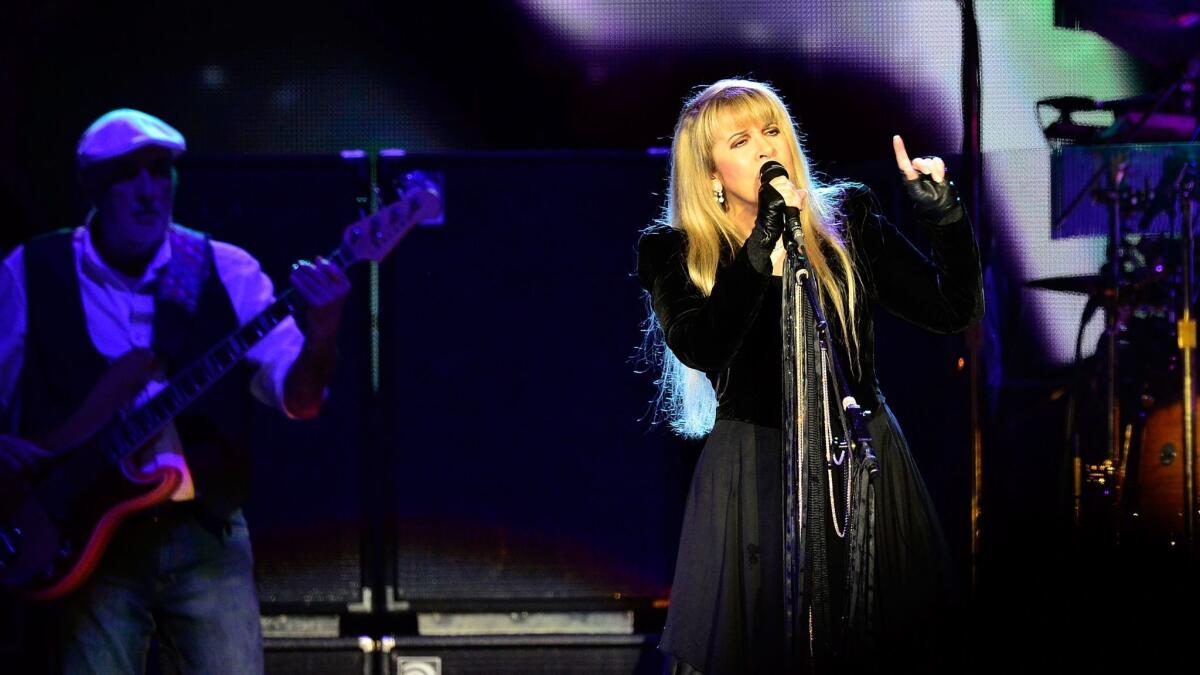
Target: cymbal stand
[1113,196]
[1186,187]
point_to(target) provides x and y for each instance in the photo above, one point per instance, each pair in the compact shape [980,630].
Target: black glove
[768,227]
[935,203]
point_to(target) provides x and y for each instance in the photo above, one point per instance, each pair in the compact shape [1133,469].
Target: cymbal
[1089,284]
[1147,288]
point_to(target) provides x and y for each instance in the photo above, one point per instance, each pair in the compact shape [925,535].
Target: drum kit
[1134,181]
[1133,481]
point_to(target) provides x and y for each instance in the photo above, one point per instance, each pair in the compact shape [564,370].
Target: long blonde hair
[685,395]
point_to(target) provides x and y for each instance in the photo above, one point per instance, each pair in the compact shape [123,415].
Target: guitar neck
[124,436]
[371,238]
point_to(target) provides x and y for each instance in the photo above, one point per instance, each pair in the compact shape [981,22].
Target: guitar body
[54,529]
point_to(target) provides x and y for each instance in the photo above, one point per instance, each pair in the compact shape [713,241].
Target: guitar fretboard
[125,435]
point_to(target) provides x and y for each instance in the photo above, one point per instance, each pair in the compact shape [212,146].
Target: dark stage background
[485,446]
[275,78]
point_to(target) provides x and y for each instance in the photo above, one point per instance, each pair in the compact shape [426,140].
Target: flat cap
[119,132]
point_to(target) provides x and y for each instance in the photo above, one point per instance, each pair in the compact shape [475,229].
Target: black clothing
[733,334]
[61,364]
[726,614]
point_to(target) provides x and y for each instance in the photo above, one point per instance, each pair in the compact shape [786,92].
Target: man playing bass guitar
[130,281]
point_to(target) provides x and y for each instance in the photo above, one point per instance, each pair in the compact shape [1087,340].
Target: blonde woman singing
[712,269]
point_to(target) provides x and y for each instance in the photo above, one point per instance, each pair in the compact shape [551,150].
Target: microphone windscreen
[770,171]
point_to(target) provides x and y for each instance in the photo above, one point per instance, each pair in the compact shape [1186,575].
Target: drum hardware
[1102,475]
[1146,289]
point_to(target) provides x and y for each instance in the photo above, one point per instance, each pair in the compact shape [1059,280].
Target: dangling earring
[719,195]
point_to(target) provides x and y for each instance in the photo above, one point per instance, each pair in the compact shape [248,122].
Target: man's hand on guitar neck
[20,457]
[324,288]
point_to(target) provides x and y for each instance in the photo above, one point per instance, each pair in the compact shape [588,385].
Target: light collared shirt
[119,313]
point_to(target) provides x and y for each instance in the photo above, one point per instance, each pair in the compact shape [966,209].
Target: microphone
[791,215]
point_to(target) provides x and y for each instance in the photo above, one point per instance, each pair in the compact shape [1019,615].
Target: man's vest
[192,312]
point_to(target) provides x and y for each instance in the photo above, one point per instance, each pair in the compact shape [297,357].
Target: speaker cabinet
[517,445]
[307,502]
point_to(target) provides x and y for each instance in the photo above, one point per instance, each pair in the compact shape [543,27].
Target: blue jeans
[170,574]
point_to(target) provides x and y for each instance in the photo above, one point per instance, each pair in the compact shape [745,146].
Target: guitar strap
[185,274]
[192,312]
[180,287]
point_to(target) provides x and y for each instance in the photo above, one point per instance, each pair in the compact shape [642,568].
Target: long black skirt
[726,613]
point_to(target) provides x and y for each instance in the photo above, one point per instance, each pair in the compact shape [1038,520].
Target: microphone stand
[808,453]
[857,417]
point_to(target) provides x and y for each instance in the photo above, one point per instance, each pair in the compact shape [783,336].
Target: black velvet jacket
[734,334]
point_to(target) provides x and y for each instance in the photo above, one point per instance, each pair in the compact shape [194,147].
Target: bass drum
[1156,486]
